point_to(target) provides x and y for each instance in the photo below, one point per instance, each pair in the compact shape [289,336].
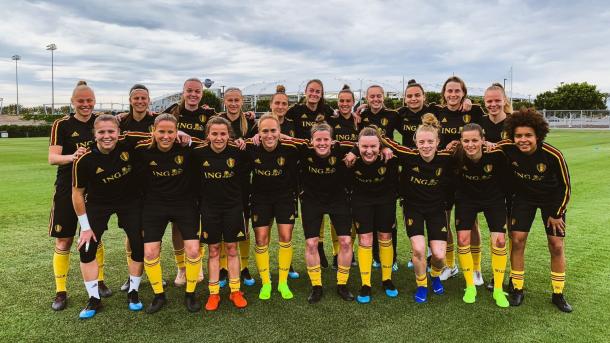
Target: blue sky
[257,44]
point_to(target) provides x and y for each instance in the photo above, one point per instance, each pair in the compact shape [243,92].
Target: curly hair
[527,117]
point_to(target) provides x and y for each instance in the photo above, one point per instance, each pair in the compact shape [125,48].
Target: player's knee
[463,239]
[556,247]
[63,244]
[213,251]
[311,245]
[231,249]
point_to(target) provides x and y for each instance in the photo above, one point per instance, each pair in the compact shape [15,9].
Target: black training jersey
[411,120]
[220,175]
[169,174]
[542,177]
[344,129]
[274,173]
[453,121]
[374,183]
[287,127]
[71,134]
[483,181]
[493,132]
[387,120]
[304,118]
[237,129]
[108,178]
[324,178]
[422,183]
[129,124]
[191,122]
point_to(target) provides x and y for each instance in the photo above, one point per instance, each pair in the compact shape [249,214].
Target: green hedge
[15,131]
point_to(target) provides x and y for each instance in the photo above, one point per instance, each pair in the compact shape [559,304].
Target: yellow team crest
[381,170]
[541,167]
[513,221]
[206,163]
[281,161]
[125,156]
[205,234]
[409,222]
[488,168]
[58,228]
[332,160]
[231,162]
[179,159]
[466,118]
[504,135]
[202,118]
[384,121]
[99,170]
[438,172]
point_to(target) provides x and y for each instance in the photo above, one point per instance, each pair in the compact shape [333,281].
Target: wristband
[84,222]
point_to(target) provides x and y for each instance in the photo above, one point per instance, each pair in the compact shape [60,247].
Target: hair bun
[81,83]
[280,89]
[411,82]
[345,88]
[430,120]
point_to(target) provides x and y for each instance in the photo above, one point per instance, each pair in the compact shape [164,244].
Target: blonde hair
[243,122]
[370,131]
[279,90]
[321,127]
[176,110]
[508,107]
[268,116]
[429,124]
[82,85]
[105,118]
[158,119]
[216,120]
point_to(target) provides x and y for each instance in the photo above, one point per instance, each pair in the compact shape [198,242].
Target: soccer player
[70,137]
[373,207]
[422,177]
[542,181]
[274,179]
[104,174]
[414,108]
[482,172]
[169,198]
[220,167]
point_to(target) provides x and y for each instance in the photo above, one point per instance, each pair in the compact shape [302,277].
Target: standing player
[70,137]
[414,108]
[542,181]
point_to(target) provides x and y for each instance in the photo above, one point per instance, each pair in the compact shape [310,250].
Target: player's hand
[490,145]
[85,239]
[256,139]
[357,117]
[250,114]
[349,159]
[183,138]
[557,225]
[241,143]
[452,145]
[466,105]
[387,154]
[121,116]
[335,113]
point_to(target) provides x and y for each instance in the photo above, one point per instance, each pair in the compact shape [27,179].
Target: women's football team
[211,174]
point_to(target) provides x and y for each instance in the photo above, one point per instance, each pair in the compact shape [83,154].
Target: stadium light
[52,47]
[16,58]
[1,105]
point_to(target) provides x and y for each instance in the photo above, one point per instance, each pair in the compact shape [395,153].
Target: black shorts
[223,225]
[523,213]
[63,220]
[282,210]
[466,215]
[313,212]
[156,215]
[434,219]
[374,218]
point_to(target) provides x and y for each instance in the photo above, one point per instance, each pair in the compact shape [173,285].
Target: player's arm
[79,180]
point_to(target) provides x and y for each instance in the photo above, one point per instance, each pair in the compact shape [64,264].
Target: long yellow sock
[475,251]
[518,277]
[342,274]
[365,261]
[284,260]
[100,257]
[214,287]
[558,281]
[223,256]
[179,257]
[261,255]
[61,265]
[244,253]
[498,264]
[202,248]
[154,273]
[450,256]
[335,239]
[315,275]
[421,280]
[465,258]
[435,271]
[193,266]
[234,285]
[386,258]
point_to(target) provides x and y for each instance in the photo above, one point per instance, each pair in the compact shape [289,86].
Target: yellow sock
[518,277]
[435,272]
[202,248]
[386,258]
[261,255]
[100,257]
[214,287]
[315,275]
[465,258]
[365,261]
[244,253]
[558,281]
[342,274]
[475,251]
[154,273]
[193,266]
[421,280]
[284,260]
[234,285]
[179,257]
[450,256]
[223,256]
[354,234]
[61,265]
[498,264]
[335,239]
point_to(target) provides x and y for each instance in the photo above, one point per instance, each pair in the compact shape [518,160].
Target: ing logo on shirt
[231,162]
[179,159]
[541,167]
[124,156]
[281,161]
[466,118]
[488,168]
[381,170]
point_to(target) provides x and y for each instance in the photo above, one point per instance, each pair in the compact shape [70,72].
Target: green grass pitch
[27,287]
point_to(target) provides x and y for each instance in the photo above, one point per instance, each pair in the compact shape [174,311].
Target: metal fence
[578,119]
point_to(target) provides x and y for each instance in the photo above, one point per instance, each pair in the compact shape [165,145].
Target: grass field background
[27,286]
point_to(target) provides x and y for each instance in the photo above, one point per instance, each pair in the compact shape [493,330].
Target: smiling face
[472,142]
[233,102]
[139,100]
[165,134]
[313,93]
[83,102]
[525,139]
[106,135]
[192,94]
[269,132]
[218,136]
[321,141]
[374,97]
[415,98]
[494,102]
[279,105]
[345,103]
[453,94]
[369,147]
[426,143]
